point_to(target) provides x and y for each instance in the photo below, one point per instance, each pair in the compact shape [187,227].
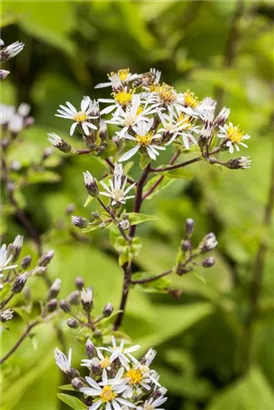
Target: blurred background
[215,344]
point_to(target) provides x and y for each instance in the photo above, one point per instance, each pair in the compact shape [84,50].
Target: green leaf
[161,184]
[110,150]
[72,401]
[158,285]
[35,177]
[177,174]
[136,218]
[88,201]
[67,387]
[144,160]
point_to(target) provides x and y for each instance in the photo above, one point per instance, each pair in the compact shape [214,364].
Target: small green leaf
[144,160]
[67,387]
[136,218]
[72,401]
[161,184]
[177,174]
[120,244]
[200,277]
[88,201]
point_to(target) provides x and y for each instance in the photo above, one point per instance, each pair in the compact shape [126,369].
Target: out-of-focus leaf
[71,401]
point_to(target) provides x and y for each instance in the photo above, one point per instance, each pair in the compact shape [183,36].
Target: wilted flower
[90,184]
[59,142]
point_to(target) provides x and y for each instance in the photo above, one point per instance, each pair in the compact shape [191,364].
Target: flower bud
[74,297]
[189,226]
[208,243]
[54,289]
[79,221]
[79,283]
[19,283]
[182,270]
[239,163]
[90,349]
[25,262]
[59,142]
[96,369]
[46,258]
[90,184]
[6,315]
[108,309]
[185,245]
[52,305]
[72,323]
[77,383]
[207,263]
[222,117]
[86,299]
[47,153]
[38,271]
[95,215]
[124,224]
[17,246]
[65,306]
[70,208]
[103,130]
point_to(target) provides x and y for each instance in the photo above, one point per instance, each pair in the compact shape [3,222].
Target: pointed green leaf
[136,218]
[72,401]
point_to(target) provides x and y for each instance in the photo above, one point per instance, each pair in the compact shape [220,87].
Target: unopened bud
[79,283]
[87,299]
[108,309]
[95,215]
[59,142]
[96,369]
[222,117]
[79,221]
[103,130]
[47,153]
[90,349]
[77,383]
[189,226]
[38,271]
[4,74]
[65,306]
[74,297]
[72,323]
[208,243]
[46,258]
[90,184]
[239,163]
[70,208]
[182,270]
[17,246]
[175,293]
[25,262]
[54,289]
[207,263]
[52,305]
[19,283]
[185,245]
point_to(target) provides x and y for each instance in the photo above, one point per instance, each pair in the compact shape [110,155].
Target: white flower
[62,361]
[121,99]
[140,379]
[23,109]
[107,393]
[6,315]
[233,136]
[103,361]
[86,295]
[117,190]
[5,258]
[149,357]
[178,125]
[4,74]
[12,50]
[244,162]
[153,404]
[16,123]
[144,138]
[6,113]
[133,114]
[122,353]
[81,117]
[117,80]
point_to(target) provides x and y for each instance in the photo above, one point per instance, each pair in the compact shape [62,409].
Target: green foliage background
[200,338]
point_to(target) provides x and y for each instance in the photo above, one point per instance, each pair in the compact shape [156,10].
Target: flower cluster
[7,53]
[14,120]
[149,116]
[117,380]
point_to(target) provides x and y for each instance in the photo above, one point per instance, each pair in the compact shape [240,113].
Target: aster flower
[121,99]
[107,394]
[153,404]
[117,80]
[6,315]
[239,163]
[81,117]
[144,137]
[175,125]
[124,354]
[6,113]
[140,379]
[5,258]
[104,362]
[62,361]
[117,190]
[133,114]
[233,137]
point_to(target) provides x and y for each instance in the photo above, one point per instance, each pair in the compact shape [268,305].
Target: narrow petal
[129,154]
[72,128]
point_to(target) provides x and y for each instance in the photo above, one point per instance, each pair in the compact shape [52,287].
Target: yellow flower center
[135,376]
[190,99]
[123,74]
[118,195]
[185,121]
[234,134]
[139,110]
[80,116]
[144,139]
[107,394]
[123,98]
[105,363]
[166,93]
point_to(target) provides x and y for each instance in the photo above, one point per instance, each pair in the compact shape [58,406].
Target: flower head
[233,136]
[62,361]
[118,80]
[117,190]
[81,117]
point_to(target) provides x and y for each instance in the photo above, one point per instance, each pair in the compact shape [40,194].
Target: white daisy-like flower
[166,96]
[86,295]
[124,354]
[107,394]
[104,362]
[5,258]
[6,315]
[133,114]
[121,99]
[179,125]
[153,404]
[143,138]
[24,109]
[117,80]
[81,117]
[244,162]
[140,378]
[6,113]
[234,137]
[16,123]
[117,190]
[62,361]
[12,50]
[149,357]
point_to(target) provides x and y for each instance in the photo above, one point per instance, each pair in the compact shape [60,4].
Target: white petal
[73,109]
[129,154]
[102,85]
[72,128]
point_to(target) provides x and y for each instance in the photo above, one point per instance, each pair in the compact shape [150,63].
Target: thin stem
[82,151]
[110,213]
[148,280]
[6,300]
[125,292]
[20,340]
